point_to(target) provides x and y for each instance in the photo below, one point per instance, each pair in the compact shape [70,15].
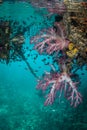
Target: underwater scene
[43,64]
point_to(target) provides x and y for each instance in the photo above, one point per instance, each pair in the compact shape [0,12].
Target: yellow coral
[72,53]
[72,50]
[71,46]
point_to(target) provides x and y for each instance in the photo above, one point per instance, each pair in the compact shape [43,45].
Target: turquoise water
[21,105]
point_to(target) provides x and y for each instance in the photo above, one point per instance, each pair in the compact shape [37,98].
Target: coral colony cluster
[50,41]
[55,40]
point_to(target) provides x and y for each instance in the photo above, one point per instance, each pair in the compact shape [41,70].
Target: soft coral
[59,82]
[49,41]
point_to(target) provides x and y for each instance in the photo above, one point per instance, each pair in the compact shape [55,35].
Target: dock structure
[75,20]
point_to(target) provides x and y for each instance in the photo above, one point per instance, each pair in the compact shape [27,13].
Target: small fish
[47,63]
[48,57]
[27,47]
[35,58]
[31,16]
[82,73]
[44,59]
[28,55]
[36,70]
[30,50]
[24,22]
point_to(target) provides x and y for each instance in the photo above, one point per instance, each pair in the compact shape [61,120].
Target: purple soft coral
[60,82]
[49,41]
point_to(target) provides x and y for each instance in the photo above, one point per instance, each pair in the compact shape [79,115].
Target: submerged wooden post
[1,1]
[75,20]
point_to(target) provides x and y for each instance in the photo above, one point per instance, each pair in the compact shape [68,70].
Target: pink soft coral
[49,41]
[53,6]
[59,82]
